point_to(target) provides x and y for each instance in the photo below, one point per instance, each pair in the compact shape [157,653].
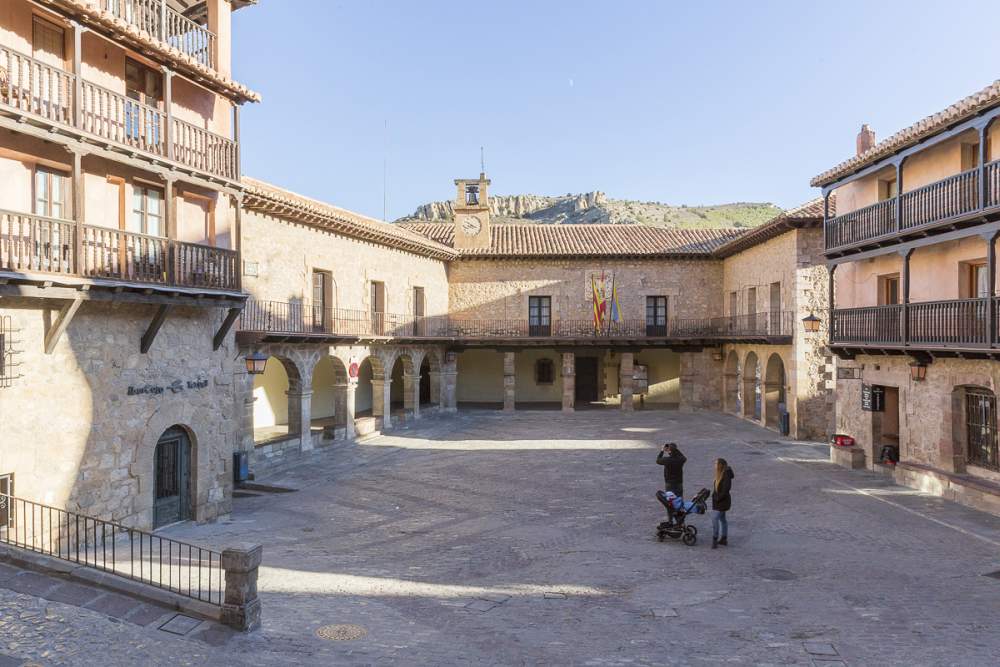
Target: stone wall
[499,289]
[815,368]
[285,255]
[76,438]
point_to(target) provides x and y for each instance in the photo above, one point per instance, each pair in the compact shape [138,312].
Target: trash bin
[784,422]
[241,467]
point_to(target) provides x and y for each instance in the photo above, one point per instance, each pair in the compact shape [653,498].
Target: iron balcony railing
[185,569]
[36,244]
[158,20]
[955,323]
[958,196]
[30,86]
[303,318]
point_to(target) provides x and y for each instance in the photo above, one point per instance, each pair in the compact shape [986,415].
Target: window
[6,516]
[418,311]
[752,308]
[48,43]
[544,371]
[321,282]
[774,327]
[540,316]
[734,307]
[50,193]
[981,427]
[146,216]
[378,308]
[887,188]
[888,290]
[979,281]
[145,86]
[656,316]
[970,156]
[472,195]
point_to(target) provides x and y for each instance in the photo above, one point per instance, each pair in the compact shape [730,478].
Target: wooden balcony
[952,325]
[959,199]
[30,89]
[275,320]
[167,25]
[34,244]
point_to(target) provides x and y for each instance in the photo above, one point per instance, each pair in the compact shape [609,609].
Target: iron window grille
[8,353]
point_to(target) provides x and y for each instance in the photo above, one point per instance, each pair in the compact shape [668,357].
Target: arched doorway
[732,382]
[271,413]
[328,404]
[363,398]
[425,382]
[401,390]
[172,477]
[751,387]
[774,391]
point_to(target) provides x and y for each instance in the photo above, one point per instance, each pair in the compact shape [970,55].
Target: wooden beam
[66,314]
[979,229]
[95,293]
[154,328]
[227,324]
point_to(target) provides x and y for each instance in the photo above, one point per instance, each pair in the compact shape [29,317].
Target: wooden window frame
[883,289]
[145,186]
[50,173]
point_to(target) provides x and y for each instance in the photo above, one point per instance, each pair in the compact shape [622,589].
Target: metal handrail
[182,568]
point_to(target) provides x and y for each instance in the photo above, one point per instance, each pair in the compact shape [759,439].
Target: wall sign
[353,369]
[848,373]
[175,387]
[872,398]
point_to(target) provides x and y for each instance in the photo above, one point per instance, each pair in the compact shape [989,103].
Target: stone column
[411,394]
[449,383]
[300,415]
[382,402]
[569,381]
[241,606]
[626,380]
[509,382]
[343,403]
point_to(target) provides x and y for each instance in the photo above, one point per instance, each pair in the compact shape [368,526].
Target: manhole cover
[341,633]
[777,574]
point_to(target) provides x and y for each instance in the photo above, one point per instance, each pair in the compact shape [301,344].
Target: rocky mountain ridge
[597,208]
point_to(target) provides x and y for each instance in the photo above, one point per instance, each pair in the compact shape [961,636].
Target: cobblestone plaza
[529,539]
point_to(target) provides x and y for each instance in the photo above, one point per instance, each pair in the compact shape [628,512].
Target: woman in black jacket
[722,500]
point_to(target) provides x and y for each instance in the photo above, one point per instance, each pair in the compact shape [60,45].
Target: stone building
[912,251]
[119,257]
[367,323]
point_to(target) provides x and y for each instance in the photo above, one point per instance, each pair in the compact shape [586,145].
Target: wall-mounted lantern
[918,371]
[256,361]
[811,323]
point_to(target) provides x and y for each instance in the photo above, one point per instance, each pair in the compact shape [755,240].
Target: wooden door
[586,388]
[172,461]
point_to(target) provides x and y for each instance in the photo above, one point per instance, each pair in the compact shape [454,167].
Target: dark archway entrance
[172,475]
[425,382]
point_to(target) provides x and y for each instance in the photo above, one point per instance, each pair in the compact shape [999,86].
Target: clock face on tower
[472,225]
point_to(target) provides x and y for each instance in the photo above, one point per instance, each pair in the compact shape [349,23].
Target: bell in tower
[472,213]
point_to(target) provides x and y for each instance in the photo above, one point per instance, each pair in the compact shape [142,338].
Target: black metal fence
[185,569]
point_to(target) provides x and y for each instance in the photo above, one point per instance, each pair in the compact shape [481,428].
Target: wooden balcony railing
[957,196]
[35,244]
[167,25]
[32,87]
[947,198]
[303,318]
[32,243]
[957,323]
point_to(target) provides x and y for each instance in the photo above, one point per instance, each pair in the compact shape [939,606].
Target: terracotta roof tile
[959,111]
[272,200]
[551,240]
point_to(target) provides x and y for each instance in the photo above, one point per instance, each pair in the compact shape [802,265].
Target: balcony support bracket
[227,324]
[154,327]
[55,332]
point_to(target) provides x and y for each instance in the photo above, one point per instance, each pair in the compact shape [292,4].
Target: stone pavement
[529,538]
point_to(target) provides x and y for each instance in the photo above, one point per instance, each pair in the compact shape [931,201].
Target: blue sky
[685,103]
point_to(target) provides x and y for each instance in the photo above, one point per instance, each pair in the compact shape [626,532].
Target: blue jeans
[719,525]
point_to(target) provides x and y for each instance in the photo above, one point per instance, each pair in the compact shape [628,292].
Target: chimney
[866,139]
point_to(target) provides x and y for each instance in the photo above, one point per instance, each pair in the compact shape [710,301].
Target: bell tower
[472,213]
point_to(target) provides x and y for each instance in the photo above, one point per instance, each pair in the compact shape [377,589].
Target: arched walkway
[274,408]
[731,382]
[774,391]
[404,382]
[372,399]
[328,410]
[751,387]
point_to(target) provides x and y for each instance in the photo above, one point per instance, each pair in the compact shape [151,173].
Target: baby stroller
[677,512]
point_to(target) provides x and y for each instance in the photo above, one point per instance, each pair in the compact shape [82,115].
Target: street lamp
[811,323]
[918,371]
[256,361]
